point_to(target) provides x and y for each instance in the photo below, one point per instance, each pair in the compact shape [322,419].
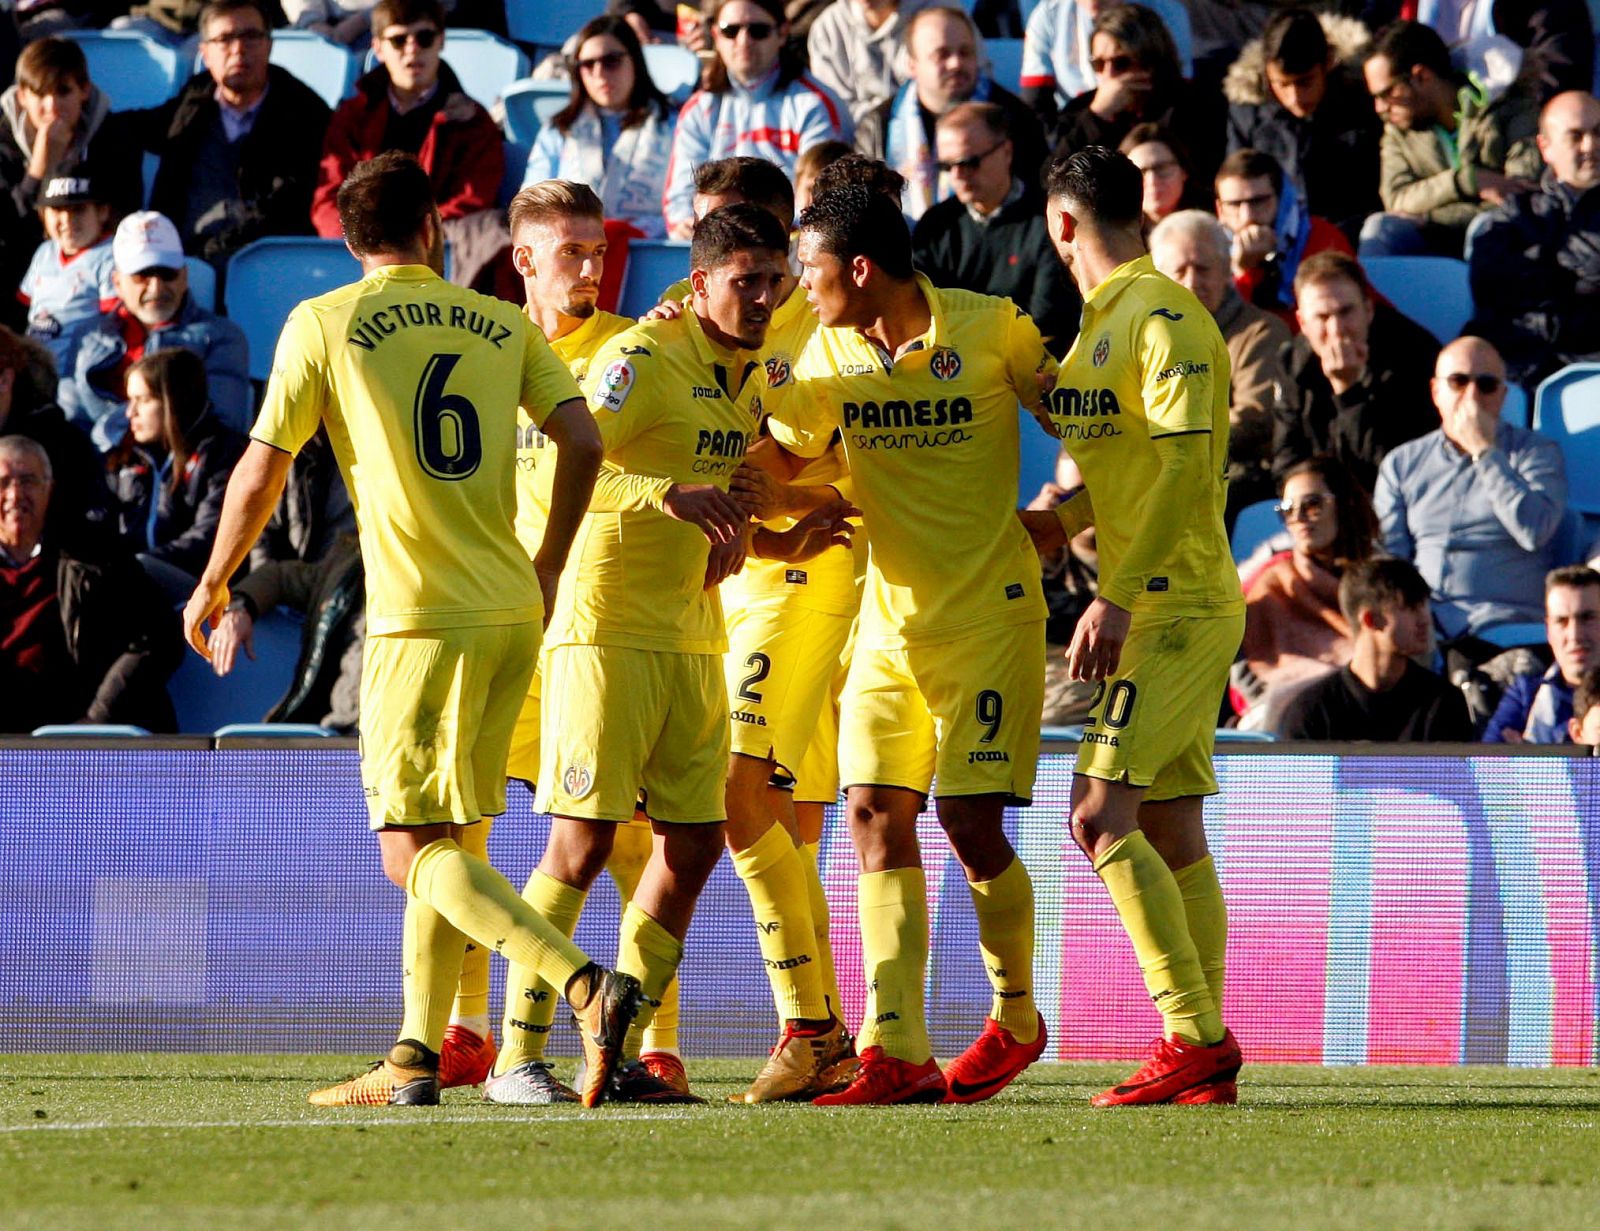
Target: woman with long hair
[1294,631]
[1169,183]
[615,133]
[169,473]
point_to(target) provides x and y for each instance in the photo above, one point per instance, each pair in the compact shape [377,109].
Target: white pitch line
[96,1126]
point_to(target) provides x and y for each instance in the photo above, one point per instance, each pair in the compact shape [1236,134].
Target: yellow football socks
[820,924]
[482,904]
[1005,934]
[472,988]
[1208,921]
[431,952]
[894,951]
[1151,908]
[530,1001]
[649,953]
[774,875]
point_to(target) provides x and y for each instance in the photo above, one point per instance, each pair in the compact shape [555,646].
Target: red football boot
[883,1079]
[990,1065]
[467,1058]
[1173,1069]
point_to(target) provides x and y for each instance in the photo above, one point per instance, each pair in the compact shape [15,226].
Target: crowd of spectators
[1281,147]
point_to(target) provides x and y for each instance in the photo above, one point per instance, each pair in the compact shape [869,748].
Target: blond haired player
[923,384]
[417,383]
[1141,403]
[633,690]
[559,248]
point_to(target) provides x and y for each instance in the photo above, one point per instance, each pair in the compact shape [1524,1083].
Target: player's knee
[577,851]
[692,851]
[397,862]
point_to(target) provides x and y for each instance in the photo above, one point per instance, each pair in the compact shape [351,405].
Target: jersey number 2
[449,444]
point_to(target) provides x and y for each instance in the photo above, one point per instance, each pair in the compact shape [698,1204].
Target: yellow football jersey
[419,382]
[536,461]
[932,443]
[1149,362]
[674,406]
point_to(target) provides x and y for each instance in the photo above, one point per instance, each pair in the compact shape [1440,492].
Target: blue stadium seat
[267,278]
[91,730]
[548,23]
[1515,409]
[1072,734]
[1431,290]
[1005,62]
[674,69]
[653,265]
[1255,524]
[1508,636]
[1566,408]
[516,168]
[529,104]
[273,730]
[202,282]
[326,67]
[206,702]
[1232,735]
[1039,454]
[134,71]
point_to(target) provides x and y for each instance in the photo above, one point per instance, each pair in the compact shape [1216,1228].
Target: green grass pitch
[169,1141]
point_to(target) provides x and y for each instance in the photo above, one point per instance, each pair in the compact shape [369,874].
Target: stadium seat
[1232,735]
[485,63]
[1515,409]
[273,730]
[653,265]
[207,703]
[89,730]
[326,67]
[1255,524]
[267,278]
[674,69]
[549,23]
[1431,290]
[516,168]
[202,282]
[529,104]
[134,71]
[1566,408]
[1073,734]
[1005,62]
[1508,636]
[1039,456]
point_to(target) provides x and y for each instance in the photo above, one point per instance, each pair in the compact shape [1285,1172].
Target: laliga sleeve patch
[616,384]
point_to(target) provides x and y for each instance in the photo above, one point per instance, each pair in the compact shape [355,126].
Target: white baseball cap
[146,240]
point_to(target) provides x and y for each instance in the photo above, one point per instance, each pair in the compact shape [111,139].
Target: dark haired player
[418,382]
[1141,403]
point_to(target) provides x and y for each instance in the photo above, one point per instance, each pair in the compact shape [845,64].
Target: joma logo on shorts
[749,719]
[1096,737]
[987,755]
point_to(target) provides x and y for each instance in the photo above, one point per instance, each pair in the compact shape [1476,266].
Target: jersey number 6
[449,444]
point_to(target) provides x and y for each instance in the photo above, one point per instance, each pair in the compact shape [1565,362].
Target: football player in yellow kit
[418,383]
[923,383]
[1141,404]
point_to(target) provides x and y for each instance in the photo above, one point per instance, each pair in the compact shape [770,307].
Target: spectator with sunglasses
[1294,632]
[990,237]
[153,311]
[413,101]
[1475,504]
[615,133]
[238,144]
[1536,260]
[757,101]
[1138,79]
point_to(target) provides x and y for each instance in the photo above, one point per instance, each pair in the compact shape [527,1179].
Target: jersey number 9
[449,444]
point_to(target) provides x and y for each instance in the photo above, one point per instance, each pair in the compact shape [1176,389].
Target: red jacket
[462,153]
[1258,286]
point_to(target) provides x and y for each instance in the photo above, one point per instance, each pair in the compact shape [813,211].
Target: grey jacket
[1481,533]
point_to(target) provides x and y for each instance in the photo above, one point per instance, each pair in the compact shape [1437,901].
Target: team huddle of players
[775,550]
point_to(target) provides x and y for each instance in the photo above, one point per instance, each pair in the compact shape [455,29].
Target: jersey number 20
[449,444]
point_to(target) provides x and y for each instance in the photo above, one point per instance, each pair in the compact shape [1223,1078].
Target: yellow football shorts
[618,721]
[437,711]
[816,781]
[1154,723]
[964,711]
[523,761]
[780,664]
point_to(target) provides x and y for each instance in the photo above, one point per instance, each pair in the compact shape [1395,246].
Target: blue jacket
[175,523]
[1536,706]
[1481,533]
[93,397]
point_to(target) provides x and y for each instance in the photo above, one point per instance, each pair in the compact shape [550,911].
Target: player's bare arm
[720,517]
[765,496]
[579,452]
[253,491]
[823,527]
